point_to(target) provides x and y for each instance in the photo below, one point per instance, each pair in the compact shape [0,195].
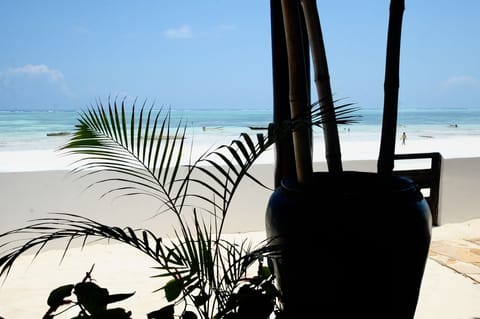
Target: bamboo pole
[391,86]
[322,82]
[298,92]
[284,153]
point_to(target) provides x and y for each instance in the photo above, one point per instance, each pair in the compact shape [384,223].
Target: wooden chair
[425,178]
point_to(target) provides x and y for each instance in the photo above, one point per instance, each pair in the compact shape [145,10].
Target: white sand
[34,183]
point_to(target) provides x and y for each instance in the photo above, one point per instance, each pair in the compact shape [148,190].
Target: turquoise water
[29,130]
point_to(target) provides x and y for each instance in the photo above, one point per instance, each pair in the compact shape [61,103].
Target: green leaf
[264,272]
[57,296]
[92,297]
[173,288]
[163,313]
[119,297]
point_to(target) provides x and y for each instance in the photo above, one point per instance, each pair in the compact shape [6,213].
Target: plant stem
[392,82]
[298,91]
[322,82]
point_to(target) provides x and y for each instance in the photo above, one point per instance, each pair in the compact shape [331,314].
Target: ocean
[48,130]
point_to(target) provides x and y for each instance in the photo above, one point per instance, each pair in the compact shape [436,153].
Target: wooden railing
[425,178]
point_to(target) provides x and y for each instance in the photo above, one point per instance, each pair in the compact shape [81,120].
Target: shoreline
[352,148]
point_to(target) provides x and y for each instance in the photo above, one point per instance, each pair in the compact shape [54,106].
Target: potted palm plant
[364,237]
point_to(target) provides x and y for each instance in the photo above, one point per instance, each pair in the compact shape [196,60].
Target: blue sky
[57,54]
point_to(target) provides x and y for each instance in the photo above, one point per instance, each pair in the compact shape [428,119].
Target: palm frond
[70,227]
[142,151]
[221,171]
[193,250]
[343,114]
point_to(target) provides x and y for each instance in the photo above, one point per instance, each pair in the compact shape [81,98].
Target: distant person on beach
[403,138]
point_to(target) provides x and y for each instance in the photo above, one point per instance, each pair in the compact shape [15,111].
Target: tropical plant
[142,153]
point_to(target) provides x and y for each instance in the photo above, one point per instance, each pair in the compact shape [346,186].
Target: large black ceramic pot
[354,245]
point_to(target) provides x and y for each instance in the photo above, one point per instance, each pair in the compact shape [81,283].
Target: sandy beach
[34,188]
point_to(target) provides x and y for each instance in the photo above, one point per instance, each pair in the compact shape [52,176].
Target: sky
[57,54]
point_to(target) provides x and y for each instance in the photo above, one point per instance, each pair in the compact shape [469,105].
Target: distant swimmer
[403,138]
